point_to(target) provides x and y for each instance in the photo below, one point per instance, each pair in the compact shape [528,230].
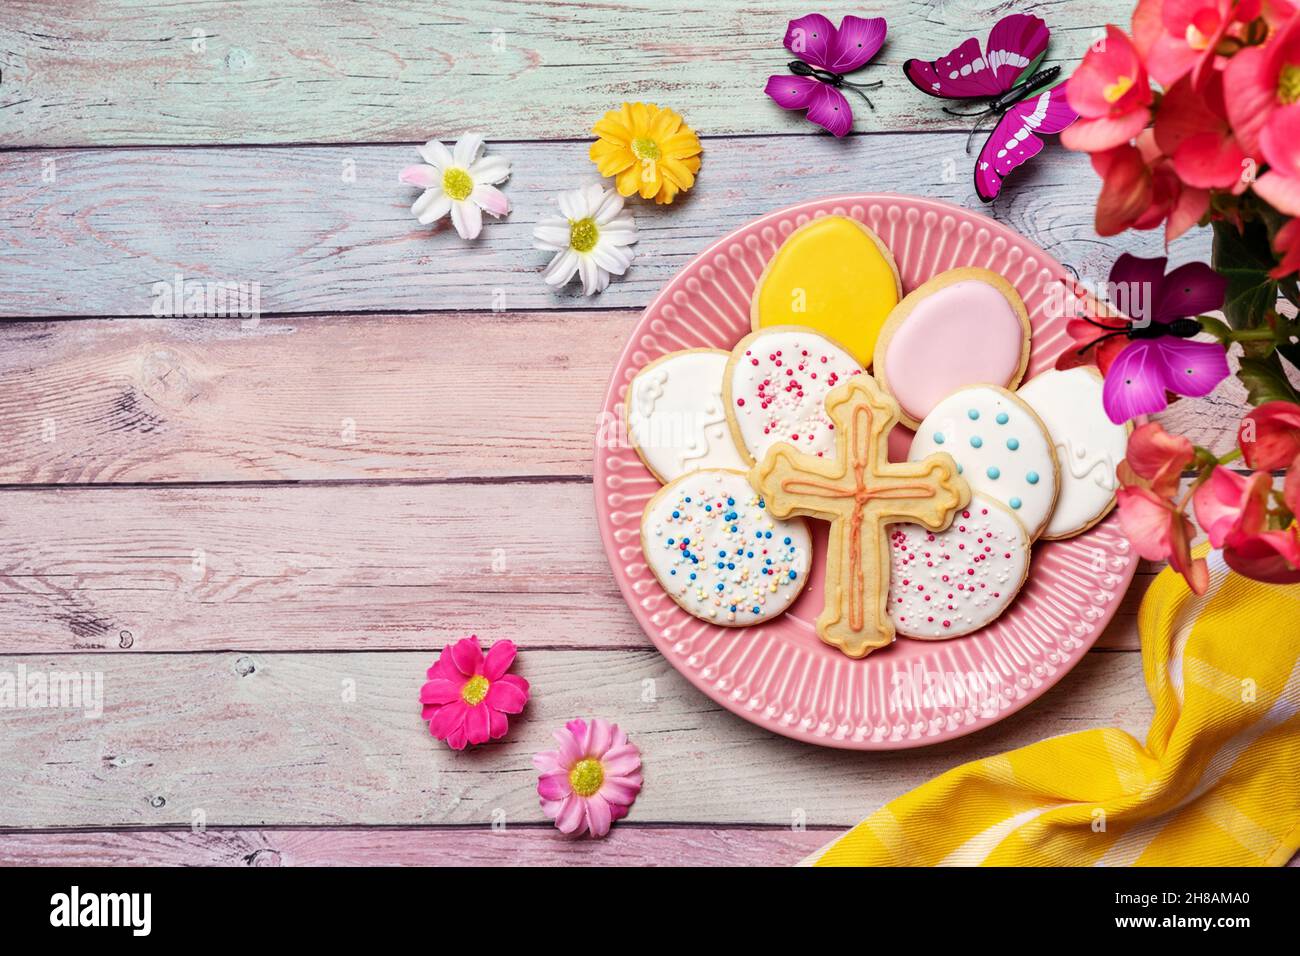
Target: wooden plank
[626,845]
[289,224]
[229,740]
[444,395]
[322,566]
[346,397]
[284,71]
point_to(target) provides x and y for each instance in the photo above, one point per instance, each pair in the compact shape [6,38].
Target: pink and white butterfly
[1006,77]
[826,53]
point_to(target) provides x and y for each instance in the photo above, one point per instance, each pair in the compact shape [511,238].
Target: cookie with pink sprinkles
[949,583]
[775,387]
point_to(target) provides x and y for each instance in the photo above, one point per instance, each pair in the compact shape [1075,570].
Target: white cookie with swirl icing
[675,418]
[1088,446]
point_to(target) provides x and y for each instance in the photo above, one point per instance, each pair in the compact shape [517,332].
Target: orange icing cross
[859,492]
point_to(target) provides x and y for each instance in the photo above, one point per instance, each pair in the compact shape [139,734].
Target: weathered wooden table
[260,533]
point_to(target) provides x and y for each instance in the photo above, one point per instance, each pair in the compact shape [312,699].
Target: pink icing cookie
[775,386]
[948,583]
[963,327]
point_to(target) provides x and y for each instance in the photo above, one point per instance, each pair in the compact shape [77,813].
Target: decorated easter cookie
[1001,447]
[860,492]
[719,553]
[775,385]
[963,327]
[835,276]
[1088,446]
[675,416]
[948,583]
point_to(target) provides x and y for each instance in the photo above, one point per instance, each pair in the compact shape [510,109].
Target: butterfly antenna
[1100,325]
[1100,339]
[976,128]
[952,112]
[856,89]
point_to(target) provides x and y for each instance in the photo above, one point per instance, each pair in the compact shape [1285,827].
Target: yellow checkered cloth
[1217,784]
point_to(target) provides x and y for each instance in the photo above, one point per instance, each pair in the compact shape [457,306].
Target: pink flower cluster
[1240,513]
[1228,106]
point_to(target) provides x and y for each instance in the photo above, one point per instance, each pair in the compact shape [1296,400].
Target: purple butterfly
[825,55]
[1159,356]
[1006,75]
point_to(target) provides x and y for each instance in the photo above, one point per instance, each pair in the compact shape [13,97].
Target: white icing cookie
[675,417]
[948,583]
[775,386]
[1088,446]
[1001,447]
[709,540]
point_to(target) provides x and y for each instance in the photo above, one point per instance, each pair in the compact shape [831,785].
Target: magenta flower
[467,696]
[591,780]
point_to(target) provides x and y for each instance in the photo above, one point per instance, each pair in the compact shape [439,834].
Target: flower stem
[1251,335]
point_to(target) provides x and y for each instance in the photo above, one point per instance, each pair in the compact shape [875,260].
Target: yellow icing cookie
[833,275]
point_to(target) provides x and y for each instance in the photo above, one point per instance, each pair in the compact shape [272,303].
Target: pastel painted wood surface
[434,396]
[319,566]
[330,229]
[116,72]
[267,739]
[628,844]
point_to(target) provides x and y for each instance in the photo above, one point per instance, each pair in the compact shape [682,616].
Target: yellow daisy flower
[647,150]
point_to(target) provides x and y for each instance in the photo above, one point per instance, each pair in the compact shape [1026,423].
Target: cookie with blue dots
[1002,449]
[714,548]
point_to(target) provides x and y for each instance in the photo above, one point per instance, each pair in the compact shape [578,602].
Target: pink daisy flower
[467,696]
[591,780]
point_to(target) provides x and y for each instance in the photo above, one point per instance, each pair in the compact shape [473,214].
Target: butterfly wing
[1014,141]
[816,41]
[958,76]
[809,38]
[1137,380]
[855,43]
[967,73]
[1191,368]
[1134,382]
[826,105]
[1015,43]
[1189,290]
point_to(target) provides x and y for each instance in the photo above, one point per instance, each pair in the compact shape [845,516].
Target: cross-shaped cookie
[859,491]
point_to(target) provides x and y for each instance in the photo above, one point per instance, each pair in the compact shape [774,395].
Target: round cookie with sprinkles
[708,539]
[948,583]
[1001,447]
[775,386]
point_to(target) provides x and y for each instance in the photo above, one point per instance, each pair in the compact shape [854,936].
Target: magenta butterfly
[826,54]
[1006,75]
[1147,352]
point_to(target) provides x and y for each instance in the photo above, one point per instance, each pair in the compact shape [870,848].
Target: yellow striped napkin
[1217,784]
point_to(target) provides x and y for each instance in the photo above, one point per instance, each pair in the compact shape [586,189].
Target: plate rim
[793,732]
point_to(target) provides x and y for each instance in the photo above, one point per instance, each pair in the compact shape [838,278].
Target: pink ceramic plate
[779,675]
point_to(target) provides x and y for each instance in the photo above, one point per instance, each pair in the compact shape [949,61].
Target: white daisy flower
[459,181]
[591,238]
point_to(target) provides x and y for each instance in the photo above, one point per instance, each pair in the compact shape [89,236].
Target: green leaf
[1244,258]
[1265,380]
[1215,327]
[1031,69]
